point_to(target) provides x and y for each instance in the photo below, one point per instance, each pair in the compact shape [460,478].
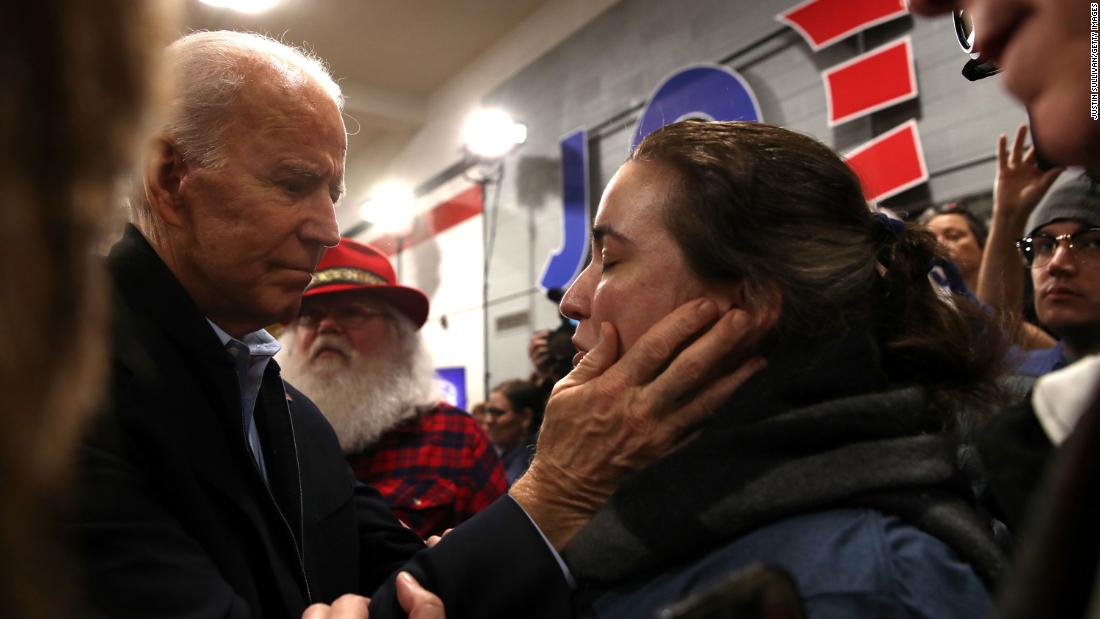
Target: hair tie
[891,230]
[895,227]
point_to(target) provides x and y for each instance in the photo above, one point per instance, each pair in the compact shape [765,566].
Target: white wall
[438,144]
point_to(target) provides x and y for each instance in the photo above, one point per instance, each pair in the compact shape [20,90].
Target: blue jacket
[846,562]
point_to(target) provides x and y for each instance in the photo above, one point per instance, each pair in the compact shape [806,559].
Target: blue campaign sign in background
[711,92]
[568,261]
[452,385]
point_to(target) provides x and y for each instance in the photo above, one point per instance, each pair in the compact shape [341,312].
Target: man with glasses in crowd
[1062,249]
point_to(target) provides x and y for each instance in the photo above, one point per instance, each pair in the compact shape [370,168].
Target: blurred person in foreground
[211,488]
[1043,48]
[837,462]
[514,411]
[356,351]
[77,81]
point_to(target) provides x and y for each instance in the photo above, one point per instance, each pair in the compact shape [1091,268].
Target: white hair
[207,70]
[372,393]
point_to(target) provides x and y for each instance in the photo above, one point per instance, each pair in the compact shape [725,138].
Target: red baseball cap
[354,266]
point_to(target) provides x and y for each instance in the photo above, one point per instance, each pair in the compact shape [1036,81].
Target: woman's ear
[526,415]
[763,300]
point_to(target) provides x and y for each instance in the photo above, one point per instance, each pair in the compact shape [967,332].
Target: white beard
[363,396]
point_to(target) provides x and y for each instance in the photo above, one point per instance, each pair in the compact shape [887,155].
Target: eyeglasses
[349,315]
[1038,249]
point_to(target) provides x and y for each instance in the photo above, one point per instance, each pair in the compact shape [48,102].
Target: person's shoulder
[444,416]
[849,561]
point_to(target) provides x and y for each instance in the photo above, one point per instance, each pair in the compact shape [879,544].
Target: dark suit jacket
[175,520]
[1015,451]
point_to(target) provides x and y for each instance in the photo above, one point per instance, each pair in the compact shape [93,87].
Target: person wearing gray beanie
[1062,249]
[1076,200]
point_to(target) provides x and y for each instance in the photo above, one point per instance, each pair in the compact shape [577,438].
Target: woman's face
[638,273]
[506,426]
[953,232]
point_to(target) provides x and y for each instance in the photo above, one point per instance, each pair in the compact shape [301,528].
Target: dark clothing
[1041,362]
[434,471]
[175,520]
[804,436]
[1015,451]
[1055,572]
[516,462]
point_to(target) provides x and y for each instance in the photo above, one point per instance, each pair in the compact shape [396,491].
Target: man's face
[953,232]
[332,326]
[1067,292]
[256,226]
[1043,48]
[638,273]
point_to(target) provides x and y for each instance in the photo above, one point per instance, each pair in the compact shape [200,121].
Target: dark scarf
[803,435]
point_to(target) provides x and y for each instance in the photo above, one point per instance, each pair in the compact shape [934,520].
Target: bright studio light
[243,6]
[491,133]
[390,208]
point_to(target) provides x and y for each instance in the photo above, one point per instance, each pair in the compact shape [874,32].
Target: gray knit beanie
[1078,200]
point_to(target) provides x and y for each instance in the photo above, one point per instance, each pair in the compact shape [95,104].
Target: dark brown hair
[977,226]
[772,207]
[523,394]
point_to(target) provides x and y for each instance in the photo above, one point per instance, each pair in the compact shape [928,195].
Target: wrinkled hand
[1020,184]
[415,600]
[611,417]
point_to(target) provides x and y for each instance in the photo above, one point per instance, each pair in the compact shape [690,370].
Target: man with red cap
[356,351]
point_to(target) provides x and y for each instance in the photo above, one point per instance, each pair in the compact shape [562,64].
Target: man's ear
[164,172]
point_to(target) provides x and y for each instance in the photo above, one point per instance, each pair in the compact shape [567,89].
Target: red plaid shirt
[434,471]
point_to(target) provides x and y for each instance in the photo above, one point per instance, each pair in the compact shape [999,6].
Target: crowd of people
[768,370]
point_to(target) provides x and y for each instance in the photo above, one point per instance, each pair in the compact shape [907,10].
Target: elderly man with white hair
[357,352]
[210,488]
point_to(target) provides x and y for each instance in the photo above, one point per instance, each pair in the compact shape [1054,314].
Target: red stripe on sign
[870,82]
[890,163]
[441,217]
[824,22]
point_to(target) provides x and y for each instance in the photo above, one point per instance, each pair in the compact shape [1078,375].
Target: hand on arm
[611,417]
